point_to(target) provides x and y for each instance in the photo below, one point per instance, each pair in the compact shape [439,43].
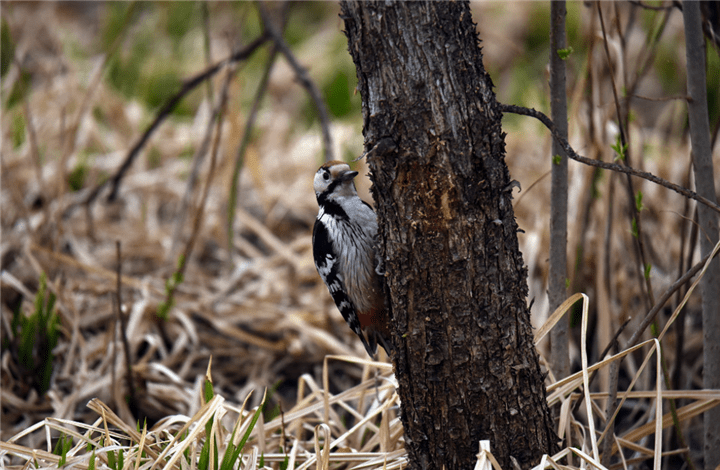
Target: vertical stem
[240,156]
[559,190]
[708,220]
[206,47]
[132,399]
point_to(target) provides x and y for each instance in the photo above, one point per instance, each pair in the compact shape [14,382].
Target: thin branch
[529,188]
[680,323]
[206,46]
[666,98]
[201,151]
[634,216]
[612,345]
[634,212]
[303,77]
[179,274]
[621,125]
[649,58]
[673,379]
[511,108]
[240,156]
[198,158]
[650,317]
[164,112]
[213,163]
[132,402]
[557,276]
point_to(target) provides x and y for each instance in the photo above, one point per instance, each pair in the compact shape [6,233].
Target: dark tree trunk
[707,219]
[557,275]
[457,284]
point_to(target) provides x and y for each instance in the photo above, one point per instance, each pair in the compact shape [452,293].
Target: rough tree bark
[457,284]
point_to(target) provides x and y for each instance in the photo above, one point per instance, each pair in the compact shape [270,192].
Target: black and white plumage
[344,238]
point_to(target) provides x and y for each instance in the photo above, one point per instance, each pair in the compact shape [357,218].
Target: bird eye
[326,176]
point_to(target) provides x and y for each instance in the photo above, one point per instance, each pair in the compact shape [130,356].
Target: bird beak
[348,176]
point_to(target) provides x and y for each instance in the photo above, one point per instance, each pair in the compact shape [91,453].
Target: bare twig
[240,156]
[133,403]
[649,57]
[510,108]
[675,376]
[612,345]
[635,221]
[557,277]
[665,98]
[213,161]
[182,263]
[684,263]
[205,144]
[199,156]
[650,317]
[164,112]
[303,77]
[206,46]
[621,113]
[621,124]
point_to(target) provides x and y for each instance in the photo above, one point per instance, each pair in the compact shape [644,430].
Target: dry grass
[255,309]
[374,438]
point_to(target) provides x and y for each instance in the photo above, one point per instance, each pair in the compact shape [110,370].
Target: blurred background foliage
[81,81]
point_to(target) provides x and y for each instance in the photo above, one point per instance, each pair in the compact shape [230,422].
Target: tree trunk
[464,355]
[708,219]
[557,276]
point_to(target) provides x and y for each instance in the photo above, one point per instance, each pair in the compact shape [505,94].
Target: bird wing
[327,265]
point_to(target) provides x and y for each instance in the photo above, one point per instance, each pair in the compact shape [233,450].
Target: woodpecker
[344,238]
